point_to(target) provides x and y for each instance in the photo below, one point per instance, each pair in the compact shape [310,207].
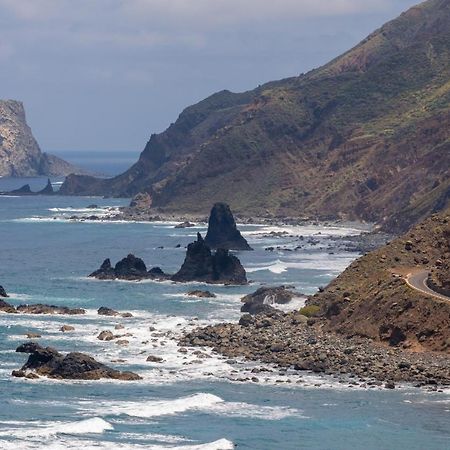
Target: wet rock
[104,311]
[264,298]
[77,366]
[66,328]
[222,231]
[3,292]
[203,266]
[40,308]
[105,335]
[33,335]
[155,359]
[201,294]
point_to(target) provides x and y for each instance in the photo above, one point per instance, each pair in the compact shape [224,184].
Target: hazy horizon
[107,79]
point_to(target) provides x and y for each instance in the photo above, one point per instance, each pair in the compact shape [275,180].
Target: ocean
[189,401]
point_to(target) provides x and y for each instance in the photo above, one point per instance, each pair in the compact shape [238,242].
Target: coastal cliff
[352,139]
[20,155]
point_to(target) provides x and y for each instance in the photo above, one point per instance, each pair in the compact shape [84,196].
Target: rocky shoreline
[292,341]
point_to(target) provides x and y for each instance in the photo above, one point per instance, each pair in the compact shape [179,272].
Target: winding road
[418,281]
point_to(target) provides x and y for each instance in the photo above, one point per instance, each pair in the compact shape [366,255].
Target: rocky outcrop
[130,268]
[202,265]
[222,230]
[47,361]
[20,155]
[264,298]
[3,292]
[40,308]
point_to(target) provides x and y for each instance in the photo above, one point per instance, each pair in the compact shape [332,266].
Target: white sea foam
[95,425]
[77,444]
[198,402]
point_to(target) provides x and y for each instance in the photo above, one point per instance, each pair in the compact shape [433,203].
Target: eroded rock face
[142,201]
[222,230]
[202,265]
[20,155]
[263,299]
[3,292]
[130,268]
[75,366]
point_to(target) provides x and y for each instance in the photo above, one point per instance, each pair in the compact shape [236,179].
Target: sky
[104,75]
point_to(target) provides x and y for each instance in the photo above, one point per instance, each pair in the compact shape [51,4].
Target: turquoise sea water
[188,401]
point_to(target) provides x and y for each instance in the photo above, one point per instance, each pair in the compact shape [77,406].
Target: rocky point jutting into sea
[373,321]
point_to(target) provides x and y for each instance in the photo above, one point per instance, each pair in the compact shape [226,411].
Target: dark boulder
[222,230]
[201,294]
[104,311]
[75,366]
[264,298]
[3,292]
[203,266]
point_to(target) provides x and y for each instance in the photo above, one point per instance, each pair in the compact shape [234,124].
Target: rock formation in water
[264,298]
[74,366]
[202,265]
[222,230]
[3,292]
[20,155]
[40,308]
[130,268]
[26,190]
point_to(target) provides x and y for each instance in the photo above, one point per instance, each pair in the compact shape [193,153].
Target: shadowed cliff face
[364,137]
[20,155]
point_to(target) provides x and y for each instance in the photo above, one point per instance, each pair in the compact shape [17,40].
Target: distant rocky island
[351,139]
[20,155]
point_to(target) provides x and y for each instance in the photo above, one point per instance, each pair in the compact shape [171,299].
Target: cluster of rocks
[292,341]
[39,308]
[130,268]
[200,265]
[264,298]
[46,361]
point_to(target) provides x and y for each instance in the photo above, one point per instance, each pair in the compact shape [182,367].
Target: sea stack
[203,266]
[222,231]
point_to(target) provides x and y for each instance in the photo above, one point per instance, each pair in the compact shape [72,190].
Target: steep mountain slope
[366,136]
[20,155]
[371,297]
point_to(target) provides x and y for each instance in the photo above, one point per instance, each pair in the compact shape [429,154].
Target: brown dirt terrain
[372,299]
